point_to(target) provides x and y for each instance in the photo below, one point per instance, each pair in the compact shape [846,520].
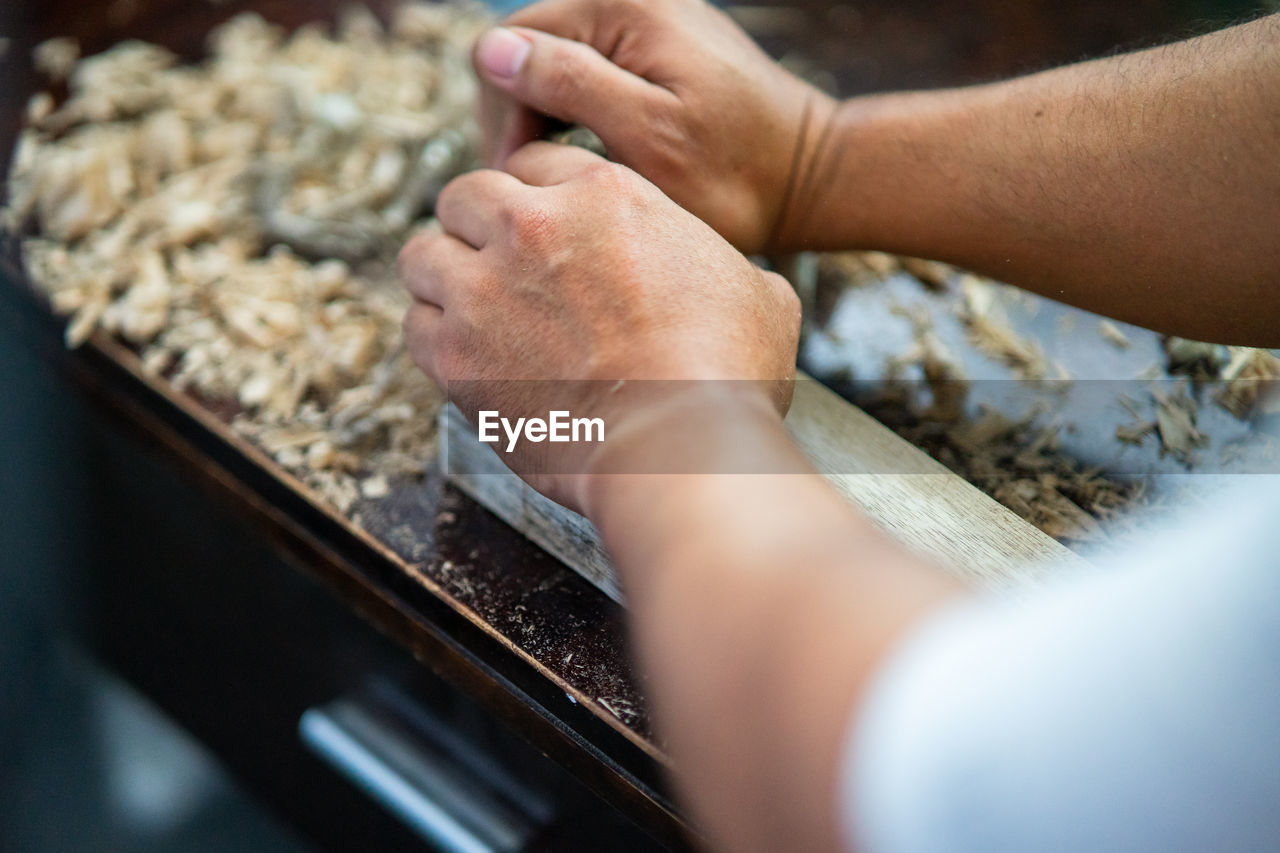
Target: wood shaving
[881,264]
[944,377]
[1197,359]
[236,222]
[1173,424]
[821,278]
[56,57]
[1176,425]
[1112,334]
[1135,433]
[1248,379]
[934,275]
[845,269]
[990,332]
[375,487]
[1250,382]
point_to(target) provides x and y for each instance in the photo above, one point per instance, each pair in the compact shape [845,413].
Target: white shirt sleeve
[1135,708]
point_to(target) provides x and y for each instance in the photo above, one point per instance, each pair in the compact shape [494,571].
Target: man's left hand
[569,267]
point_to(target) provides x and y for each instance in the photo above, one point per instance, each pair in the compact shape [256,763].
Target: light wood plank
[908,494]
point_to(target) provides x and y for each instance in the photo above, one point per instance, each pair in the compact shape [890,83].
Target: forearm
[1143,186]
[760,603]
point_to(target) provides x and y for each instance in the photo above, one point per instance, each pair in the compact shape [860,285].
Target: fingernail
[502,52]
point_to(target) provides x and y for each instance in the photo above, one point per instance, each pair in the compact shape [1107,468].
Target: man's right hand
[674,89]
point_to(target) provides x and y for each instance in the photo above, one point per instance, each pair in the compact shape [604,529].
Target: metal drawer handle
[433,797]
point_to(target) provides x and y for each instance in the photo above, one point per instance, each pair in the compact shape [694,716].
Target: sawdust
[236,221]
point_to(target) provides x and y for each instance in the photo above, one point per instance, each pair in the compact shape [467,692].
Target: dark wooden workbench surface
[532,642]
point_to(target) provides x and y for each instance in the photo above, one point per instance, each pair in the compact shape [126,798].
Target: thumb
[562,78]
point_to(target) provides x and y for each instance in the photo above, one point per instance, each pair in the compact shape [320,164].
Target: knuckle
[612,178]
[448,196]
[530,225]
[464,185]
[783,292]
[413,324]
[454,186]
[453,191]
[410,253]
[470,297]
[404,260]
[611,172]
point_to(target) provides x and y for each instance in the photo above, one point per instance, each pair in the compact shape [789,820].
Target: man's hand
[571,268]
[675,90]
[577,272]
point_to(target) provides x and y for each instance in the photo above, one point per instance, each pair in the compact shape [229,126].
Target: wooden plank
[911,496]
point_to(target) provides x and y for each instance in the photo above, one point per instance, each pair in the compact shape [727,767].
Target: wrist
[868,180]
[687,427]
[811,139]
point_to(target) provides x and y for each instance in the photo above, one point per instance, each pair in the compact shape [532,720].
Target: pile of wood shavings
[1019,462]
[1021,465]
[237,220]
[1246,382]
